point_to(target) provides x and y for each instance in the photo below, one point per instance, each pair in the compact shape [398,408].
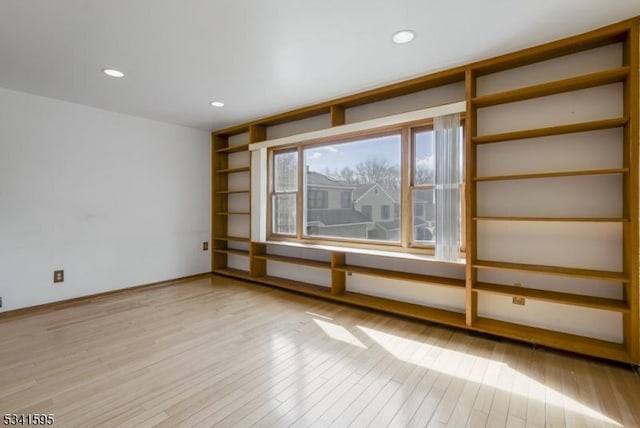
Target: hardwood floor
[219,352]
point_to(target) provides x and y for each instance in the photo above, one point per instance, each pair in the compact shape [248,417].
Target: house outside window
[345,200]
[385,212]
[317,199]
[354,190]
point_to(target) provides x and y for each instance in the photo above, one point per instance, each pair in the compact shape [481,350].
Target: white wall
[114,200]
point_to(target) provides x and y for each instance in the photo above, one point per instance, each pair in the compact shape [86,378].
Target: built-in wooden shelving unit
[552,88]
[552,174]
[555,219]
[551,130]
[229,181]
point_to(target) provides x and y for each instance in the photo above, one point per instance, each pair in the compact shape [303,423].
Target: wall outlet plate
[205,246]
[58,276]
[0,302]
[518,301]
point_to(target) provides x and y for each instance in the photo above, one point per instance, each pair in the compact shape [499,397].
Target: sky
[337,156]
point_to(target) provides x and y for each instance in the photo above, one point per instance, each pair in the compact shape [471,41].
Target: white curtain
[448,184]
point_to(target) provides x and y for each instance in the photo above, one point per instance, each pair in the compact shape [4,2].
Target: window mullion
[300,205]
[405,183]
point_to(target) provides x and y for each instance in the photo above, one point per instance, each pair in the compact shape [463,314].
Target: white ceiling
[261,57]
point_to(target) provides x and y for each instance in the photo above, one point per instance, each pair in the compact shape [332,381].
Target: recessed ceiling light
[217,104]
[112,72]
[403,36]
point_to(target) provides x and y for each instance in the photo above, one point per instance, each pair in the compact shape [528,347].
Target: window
[423,185]
[385,212]
[355,189]
[316,199]
[284,192]
[367,210]
[423,177]
[347,182]
[345,200]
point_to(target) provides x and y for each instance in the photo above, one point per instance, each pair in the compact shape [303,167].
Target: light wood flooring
[220,352]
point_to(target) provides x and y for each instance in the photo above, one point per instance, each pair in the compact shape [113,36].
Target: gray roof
[331,217]
[389,225]
[361,190]
[317,179]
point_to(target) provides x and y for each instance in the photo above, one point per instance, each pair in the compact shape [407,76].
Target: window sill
[370,252]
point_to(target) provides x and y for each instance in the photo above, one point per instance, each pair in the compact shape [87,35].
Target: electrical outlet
[518,301]
[0,302]
[58,276]
[205,246]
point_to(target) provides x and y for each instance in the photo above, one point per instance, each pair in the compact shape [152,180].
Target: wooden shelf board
[233,213]
[230,192]
[555,219]
[232,170]
[232,251]
[235,273]
[553,270]
[554,339]
[553,174]
[232,238]
[298,286]
[553,130]
[615,33]
[371,302]
[406,309]
[234,149]
[406,276]
[555,87]
[554,296]
[294,260]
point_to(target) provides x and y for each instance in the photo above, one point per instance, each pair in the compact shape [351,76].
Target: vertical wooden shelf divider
[631,231]
[257,266]
[219,183]
[337,115]
[471,298]
[338,278]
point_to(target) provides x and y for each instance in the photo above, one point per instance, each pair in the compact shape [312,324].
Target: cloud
[316,155]
[428,162]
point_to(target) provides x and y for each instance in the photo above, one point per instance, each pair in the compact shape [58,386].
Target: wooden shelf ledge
[234,149]
[405,276]
[553,130]
[298,286]
[412,310]
[232,238]
[294,260]
[565,341]
[232,251]
[234,273]
[553,296]
[231,192]
[555,219]
[232,170]
[553,174]
[233,213]
[551,88]
[553,270]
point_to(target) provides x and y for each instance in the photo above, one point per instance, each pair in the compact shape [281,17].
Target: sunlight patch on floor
[338,332]
[447,361]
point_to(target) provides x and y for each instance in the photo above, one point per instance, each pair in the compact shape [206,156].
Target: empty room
[408,213]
